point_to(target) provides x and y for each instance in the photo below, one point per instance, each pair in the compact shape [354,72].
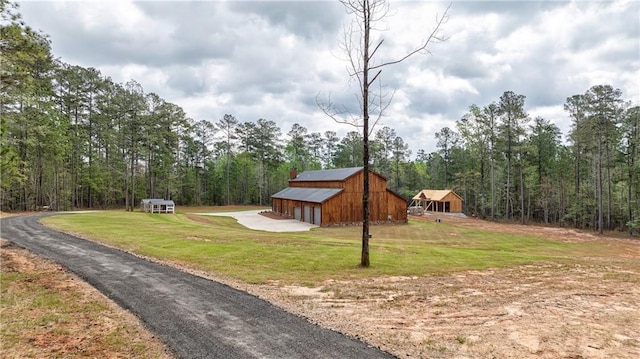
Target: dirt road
[196,317]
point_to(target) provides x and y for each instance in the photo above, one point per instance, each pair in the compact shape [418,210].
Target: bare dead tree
[360,50]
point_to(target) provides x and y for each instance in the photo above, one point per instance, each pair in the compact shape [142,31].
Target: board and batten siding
[455,203]
[346,207]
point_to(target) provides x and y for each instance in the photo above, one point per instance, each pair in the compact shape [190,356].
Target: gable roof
[434,194]
[161,202]
[338,174]
[314,195]
[149,200]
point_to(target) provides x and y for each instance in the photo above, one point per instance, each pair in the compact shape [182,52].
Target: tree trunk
[521,195]
[507,191]
[608,185]
[126,185]
[228,168]
[483,190]
[132,181]
[493,191]
[631,158]
[599,188]
[577,180]
[364,258]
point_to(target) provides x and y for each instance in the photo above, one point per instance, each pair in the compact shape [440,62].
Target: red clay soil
[543,310]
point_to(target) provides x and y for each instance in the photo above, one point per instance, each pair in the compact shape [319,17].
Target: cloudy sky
[270,59]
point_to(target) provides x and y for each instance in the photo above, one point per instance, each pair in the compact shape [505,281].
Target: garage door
[296,213]
[317,215]
[307,214]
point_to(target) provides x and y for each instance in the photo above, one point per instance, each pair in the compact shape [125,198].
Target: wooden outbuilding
[335,196]
[436,201]
[157,205]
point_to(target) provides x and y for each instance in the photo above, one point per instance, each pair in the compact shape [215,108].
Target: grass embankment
[221,245]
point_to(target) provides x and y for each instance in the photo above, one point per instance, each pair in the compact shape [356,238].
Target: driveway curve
[196,317]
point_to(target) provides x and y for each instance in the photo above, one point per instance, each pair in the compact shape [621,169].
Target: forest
[73,138]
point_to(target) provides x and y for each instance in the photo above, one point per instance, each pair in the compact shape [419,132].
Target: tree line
[73,138]
[509,165]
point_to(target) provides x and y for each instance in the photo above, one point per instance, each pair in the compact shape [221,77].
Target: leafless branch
[375,77]
[340,114]
[352,48]
[434,36]
[384,101]
[367,13]
[373,53]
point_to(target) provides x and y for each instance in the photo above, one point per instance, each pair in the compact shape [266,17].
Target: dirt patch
[546,310]
[90,325]
[543,311]
[553,233]
[12,214]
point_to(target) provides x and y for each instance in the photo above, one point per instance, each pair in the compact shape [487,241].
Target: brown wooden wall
[347,206]
[396,206]
[316,184]
[286,208]
[276,205]
[283,207]
[351,184]
[455,202]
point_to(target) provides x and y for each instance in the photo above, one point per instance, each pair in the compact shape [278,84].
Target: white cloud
[436,81]
[555,114]
[257,59]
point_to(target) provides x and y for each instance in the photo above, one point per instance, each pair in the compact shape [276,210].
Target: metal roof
[149,200]
[164,201]
[314,195]
[158,201]
[338,174]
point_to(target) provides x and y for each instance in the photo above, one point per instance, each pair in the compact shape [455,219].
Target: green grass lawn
[221,245]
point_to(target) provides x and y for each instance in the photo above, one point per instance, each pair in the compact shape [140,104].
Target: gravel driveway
[196,317]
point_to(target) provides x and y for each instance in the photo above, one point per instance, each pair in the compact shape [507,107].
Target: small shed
[157,205]
[329,197]
[436,201]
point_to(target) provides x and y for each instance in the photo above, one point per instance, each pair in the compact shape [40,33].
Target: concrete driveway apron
[254,220]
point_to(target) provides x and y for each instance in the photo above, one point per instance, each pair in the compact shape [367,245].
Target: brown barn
[437,201]
[335,196]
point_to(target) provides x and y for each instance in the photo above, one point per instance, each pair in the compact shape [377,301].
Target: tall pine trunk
[521,195]
[599,187]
